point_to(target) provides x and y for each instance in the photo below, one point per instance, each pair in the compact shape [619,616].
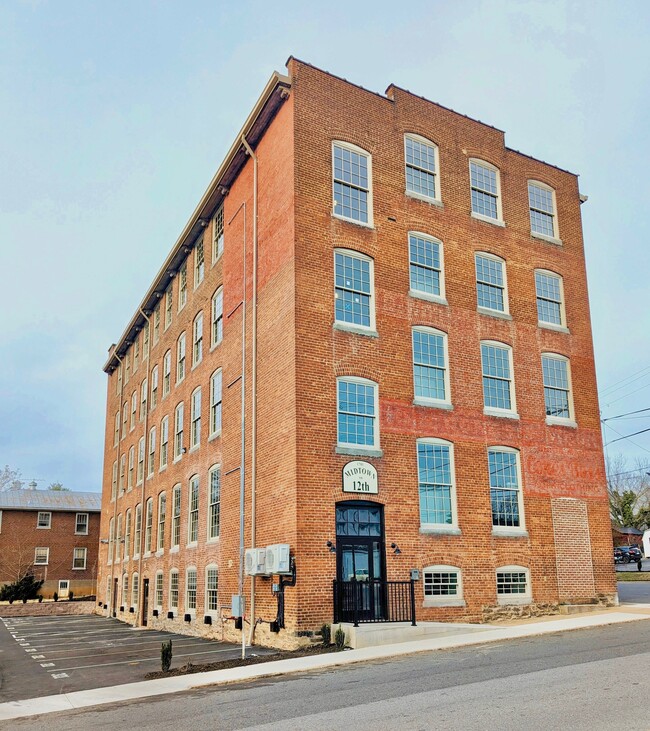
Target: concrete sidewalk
[164,686]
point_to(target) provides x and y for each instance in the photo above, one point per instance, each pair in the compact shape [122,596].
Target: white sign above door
[359,476]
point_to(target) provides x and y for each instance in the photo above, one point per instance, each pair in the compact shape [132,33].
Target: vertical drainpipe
[250,152]
[111,596]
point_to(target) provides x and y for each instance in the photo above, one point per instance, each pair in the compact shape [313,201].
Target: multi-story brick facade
[414,298]
[52,534]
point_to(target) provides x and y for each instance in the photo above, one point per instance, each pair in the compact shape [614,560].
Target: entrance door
[360,558]
[64,588]
[145,601]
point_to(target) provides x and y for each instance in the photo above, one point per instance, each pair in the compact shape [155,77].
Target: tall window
[118,537]
[199,262]
[169,299]
[491,283]
[81,524]
[159,589]
[217,316]
[116,437]
[122,472]
[118,382]
[164,441]
[436,482]
[217,234]
[550,305]
[140,473]
[162,510]
[214,479]
[498,391]
[357,412]
[425,266]
[180,358]
[134,409]
[135,590]
[197,339]
[154,387]
[484,183]
[137,531]
[156,324]
[541,200]
[148,525]
[430,371]
[44,520]
[127,367]
[125,418]
[129,483]
[125,589]
[557,387]
[352,170]
[190,590]
[111,540]
[114,481]
[145,340]
[211,588]
[353,289]
[167,373]
[136,354]
[42,556]
[173,588]
[176,515]
[182,286]
[127,534]
[421,167]
[79,558]
[193,515]
[215,403]
[178,430]
[505,492]
[152,451]
[195,416]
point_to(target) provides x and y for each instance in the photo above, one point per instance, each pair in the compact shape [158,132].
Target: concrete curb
[178,684]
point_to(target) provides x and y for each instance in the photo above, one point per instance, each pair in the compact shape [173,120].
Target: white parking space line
[59,675]
[38,657]
[126,651]
[47,664]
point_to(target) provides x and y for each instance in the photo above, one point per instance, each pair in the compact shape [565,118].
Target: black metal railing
[374,601]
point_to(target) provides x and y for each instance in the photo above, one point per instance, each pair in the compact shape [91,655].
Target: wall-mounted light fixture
[331,546]
[396,549]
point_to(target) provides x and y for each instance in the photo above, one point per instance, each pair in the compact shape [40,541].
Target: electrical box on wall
[277,559]
[255,562]
[237,605]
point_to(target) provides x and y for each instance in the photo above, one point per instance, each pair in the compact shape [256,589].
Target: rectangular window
[555,372]
[114,481]
[144,388]
[511,582]
[118,537]
[135,590]
[129,482]
[420,166]
[504,488]
[42,556]
[435,483]
[176,516]
[485,190]
[193,516]
[497,391]
[136,354]
[127,368]
[195,415]
[125,418]
[140,473]
[351,167]
[79,558]
[214,503]
[440,583]
[111,540]
[127,534]
[490,283]
[197,339]
[425,265]
[125,589]
[159,590]
[169,299]
[199,262]
[215,403]
[118,383]
[353,289]
[122,472]
[156,324]
[173,589]
[145,340]
[182,286]
[152,451]
[134,410]
[116,437]
[162,511]
[217,235]
[190,590]
[211,588]
[542,210]
[217,317]
[430,365]
[154,387]
[178,431]
[167,373]
[357,413]
[548,288]
[148,525]
[180,358]
[81,524]
[44,520]
[164,441]
[137,531]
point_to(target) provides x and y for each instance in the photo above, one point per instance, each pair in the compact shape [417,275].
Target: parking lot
[48,655]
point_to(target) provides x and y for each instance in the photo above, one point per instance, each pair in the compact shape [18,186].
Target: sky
[114,117]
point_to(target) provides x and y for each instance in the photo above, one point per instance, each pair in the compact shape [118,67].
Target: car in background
[627,554]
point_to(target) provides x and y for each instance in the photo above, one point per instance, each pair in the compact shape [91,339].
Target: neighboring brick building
[53,534]
[416,301]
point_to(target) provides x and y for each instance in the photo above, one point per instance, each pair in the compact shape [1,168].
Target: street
[565,680]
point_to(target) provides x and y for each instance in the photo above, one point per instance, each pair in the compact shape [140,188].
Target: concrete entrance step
[579,608]
[388,633]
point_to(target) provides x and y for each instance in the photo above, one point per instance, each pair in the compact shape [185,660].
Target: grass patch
[633,575]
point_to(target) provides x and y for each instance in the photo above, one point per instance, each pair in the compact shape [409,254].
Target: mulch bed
[238,662]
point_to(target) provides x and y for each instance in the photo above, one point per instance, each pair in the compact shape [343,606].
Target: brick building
[419,379]
[53,534]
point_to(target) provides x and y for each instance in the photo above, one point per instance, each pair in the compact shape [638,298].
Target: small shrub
[24,600]
[70,596]
[166,656]
[40,598]
[55,596]
[326,634]
[339,638]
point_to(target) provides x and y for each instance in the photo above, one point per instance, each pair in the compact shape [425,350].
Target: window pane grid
[484,190]
[420,168]
[496,377]
[490,284]
[193,522]
[441,583]
[429,365]
[542,211]
[352,290]
[504,488]
[434,483]
[215,498]
[191,589]
[356,418]
[556,387]
[173,589]
[511,582]
[549,298]
[358,522]
[211,589]
[424,265]
[350,184]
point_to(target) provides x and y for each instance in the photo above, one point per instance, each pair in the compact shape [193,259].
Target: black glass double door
[360,557]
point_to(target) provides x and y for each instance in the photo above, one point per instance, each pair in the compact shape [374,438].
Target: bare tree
[16,560]
[10,479]
[629,491]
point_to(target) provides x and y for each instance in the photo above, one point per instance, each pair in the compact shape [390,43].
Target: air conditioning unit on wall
[255,562]
[277,559]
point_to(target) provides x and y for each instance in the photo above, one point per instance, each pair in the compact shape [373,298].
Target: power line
[626,436]
[629,472]
[615,386]
[628,413]
[625,395]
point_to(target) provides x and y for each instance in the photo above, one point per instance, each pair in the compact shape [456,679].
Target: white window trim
[437,199]
[214,343]
[191,543]
[555,239]
[350,326]
[192,612]
[49,522]
[155,590]
[439,298]
[360,151]
[162,498]
[194,417]
[510,413]
[507,530]
[196,361]
[498,221]
[505,313]
[559,420]
[562,327]
[47,555]
[76,521]
[85,550]
[444,601]
[217,432]
[181,338]
[214,468]
[425,400]
[210,612]
[361,449]
[441,528]
[505,599]
[174,572]
[178,443]
[177,489]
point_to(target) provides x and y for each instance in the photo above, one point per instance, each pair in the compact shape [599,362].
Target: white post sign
[360,476]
